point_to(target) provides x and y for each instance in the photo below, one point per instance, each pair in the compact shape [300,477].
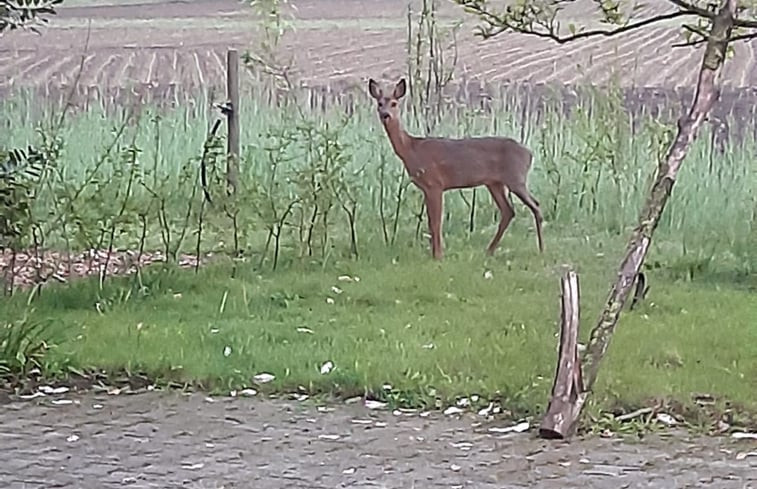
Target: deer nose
[385,116]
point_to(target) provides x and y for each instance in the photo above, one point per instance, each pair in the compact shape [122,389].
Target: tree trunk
[572,382]
[705,96]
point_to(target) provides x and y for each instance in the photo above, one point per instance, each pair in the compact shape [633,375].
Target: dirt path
[165,440]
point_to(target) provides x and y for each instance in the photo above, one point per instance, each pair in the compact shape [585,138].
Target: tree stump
[568,394]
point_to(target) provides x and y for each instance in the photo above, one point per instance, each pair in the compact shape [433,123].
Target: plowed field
[183,43]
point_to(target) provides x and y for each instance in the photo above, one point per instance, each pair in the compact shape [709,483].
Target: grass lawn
[431,330]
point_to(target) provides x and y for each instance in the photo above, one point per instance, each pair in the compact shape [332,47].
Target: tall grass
[591,171]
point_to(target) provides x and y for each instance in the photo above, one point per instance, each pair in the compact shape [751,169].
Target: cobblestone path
[168,440]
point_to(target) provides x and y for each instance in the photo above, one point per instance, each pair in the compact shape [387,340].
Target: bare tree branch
[703,40]
[500,23]
[743,37]
[701,12]
[746,24]
[710,14]
[539,18]
[703,35]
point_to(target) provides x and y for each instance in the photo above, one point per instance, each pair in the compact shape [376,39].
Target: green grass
[431,330]
[493,337]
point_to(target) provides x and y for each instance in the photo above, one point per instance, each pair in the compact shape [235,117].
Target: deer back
[473,161]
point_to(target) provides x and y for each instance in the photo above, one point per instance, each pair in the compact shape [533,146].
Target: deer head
[388,106]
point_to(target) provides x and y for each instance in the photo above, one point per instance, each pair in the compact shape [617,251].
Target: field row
[350,55]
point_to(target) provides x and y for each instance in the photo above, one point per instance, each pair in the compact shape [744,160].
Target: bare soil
[167,440]
[30,268]
[184,43]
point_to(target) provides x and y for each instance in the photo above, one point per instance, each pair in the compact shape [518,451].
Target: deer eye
[394,103]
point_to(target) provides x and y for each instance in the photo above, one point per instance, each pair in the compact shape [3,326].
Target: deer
[437,164]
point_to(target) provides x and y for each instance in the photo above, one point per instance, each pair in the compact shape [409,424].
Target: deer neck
[400,139]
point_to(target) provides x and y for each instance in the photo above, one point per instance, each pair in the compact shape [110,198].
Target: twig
[203,161]
[634,414]
[704,37]
[693,9]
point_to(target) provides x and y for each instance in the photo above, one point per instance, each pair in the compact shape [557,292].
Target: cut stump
[568,394]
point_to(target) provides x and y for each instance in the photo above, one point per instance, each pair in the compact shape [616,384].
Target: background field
[184,42]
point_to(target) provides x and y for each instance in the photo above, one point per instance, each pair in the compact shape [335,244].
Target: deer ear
[374,89]
[400,89]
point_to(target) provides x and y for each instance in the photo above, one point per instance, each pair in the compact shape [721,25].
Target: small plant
[23,345]
[22,175]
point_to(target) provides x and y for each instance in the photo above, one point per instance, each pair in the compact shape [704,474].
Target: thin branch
[748,24]
[701,12]
[503,25]
[699,32]
[703,40]
[529,22]
[743,37]
[704,36]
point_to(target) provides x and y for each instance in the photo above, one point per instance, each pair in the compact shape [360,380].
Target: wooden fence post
[232,116]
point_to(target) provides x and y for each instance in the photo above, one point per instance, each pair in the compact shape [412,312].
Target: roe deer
[439,164]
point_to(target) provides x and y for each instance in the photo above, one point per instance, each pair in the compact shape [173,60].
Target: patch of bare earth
[28,268]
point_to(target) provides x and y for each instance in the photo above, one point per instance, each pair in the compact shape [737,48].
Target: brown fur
[439,164]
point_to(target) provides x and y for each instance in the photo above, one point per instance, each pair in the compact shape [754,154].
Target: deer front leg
[433,198]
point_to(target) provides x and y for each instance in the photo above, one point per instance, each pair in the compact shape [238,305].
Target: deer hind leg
[525,196]
[506,211]
[434,210]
